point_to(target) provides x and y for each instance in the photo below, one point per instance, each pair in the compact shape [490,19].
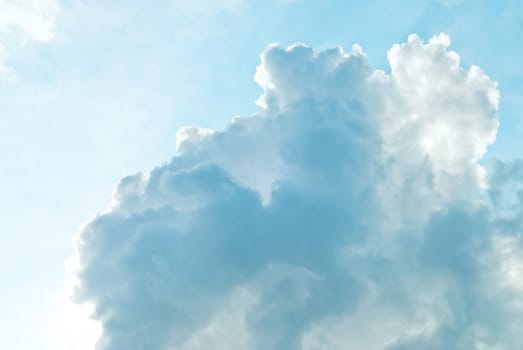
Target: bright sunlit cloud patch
[24,21]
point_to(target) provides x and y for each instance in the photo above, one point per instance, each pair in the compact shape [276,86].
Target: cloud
[350,212]
[23,21]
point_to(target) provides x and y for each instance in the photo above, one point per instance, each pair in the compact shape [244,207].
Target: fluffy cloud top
[349,213]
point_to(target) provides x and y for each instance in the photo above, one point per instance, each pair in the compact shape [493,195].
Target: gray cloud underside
[349,213]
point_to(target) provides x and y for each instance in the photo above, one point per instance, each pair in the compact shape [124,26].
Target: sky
[322,185]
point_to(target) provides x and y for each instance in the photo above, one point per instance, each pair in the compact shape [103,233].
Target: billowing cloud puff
[349,213]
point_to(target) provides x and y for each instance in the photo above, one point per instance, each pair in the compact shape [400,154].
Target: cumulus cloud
[350,212]
[22,21]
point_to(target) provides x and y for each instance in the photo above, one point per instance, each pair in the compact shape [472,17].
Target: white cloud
[72,327]
[24,21]
[351,210]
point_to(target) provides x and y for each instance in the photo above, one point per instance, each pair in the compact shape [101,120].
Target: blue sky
[91,91]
